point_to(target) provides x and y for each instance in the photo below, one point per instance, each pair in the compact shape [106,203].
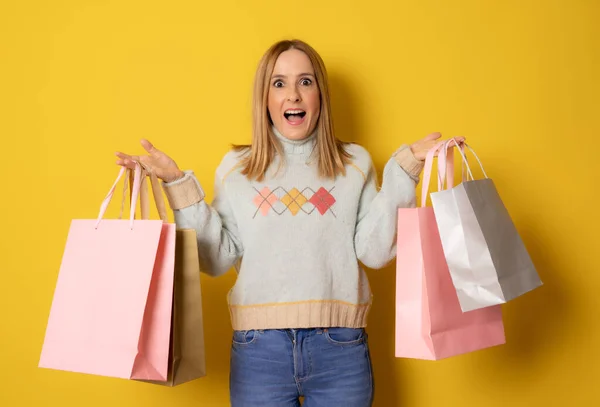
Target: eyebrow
[284,76]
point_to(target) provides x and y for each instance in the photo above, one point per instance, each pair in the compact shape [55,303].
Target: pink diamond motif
[264,200]
[322,200]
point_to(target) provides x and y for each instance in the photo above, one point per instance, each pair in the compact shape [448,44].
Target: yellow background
[519,79]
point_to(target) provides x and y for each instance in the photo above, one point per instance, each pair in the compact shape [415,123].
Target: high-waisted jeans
[327,366]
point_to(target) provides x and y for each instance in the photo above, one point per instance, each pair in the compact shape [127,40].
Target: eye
[305,82]
[278,83]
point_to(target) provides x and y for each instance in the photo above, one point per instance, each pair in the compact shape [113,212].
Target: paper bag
[111,310]
[487,259]
[429,322]
[187,360]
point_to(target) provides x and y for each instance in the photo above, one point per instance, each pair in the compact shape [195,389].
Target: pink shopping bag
[111,311]
[429,321]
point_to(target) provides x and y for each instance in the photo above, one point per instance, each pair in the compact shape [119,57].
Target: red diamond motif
[322,200]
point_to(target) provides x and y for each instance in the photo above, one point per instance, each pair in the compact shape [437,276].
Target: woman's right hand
[156,162]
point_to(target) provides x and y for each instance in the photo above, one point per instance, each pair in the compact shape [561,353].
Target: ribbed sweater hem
[302,314]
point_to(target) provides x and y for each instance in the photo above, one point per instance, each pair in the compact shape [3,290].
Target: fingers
[456,141]
[424,146]
[146,166]
[148,146]
[126,163]
[434,136]
[437,135]
[127,160]
[124,160]
[122,156]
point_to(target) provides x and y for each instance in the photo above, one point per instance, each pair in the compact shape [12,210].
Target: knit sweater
[296,238]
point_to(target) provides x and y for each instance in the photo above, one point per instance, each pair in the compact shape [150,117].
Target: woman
[295,211]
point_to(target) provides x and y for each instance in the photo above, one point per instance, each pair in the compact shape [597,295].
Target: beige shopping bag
[187,358]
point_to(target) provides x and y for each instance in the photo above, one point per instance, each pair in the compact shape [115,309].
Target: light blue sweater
[296,238]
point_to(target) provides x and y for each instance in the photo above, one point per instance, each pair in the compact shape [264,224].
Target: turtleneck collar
[297,147]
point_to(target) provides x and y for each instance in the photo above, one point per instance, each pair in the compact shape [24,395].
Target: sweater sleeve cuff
[184,192]
[407,160]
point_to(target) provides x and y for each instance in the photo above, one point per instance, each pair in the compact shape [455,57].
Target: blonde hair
[331,153]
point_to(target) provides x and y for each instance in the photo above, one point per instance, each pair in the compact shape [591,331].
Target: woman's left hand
[421,148]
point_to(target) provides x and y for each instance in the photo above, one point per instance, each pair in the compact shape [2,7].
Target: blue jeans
[328,367]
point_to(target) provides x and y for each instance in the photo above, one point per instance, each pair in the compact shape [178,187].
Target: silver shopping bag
[487,259]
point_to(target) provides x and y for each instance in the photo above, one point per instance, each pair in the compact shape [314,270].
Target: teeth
[294,111]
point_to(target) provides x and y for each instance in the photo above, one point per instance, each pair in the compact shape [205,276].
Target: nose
[294,95]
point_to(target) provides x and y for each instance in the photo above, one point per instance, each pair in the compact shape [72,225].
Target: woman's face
[294,101]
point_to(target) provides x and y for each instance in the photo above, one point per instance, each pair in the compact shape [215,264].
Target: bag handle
[125,188]
[445,167]
[135,192]
[465,162]
[159,200]
[143,196]
[446,164]
[427,172]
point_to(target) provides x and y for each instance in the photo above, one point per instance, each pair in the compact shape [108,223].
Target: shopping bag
[488,261]
[429,321]
[187,359]
[111,310]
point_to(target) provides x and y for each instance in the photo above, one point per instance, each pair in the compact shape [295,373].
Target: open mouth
[294,116]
